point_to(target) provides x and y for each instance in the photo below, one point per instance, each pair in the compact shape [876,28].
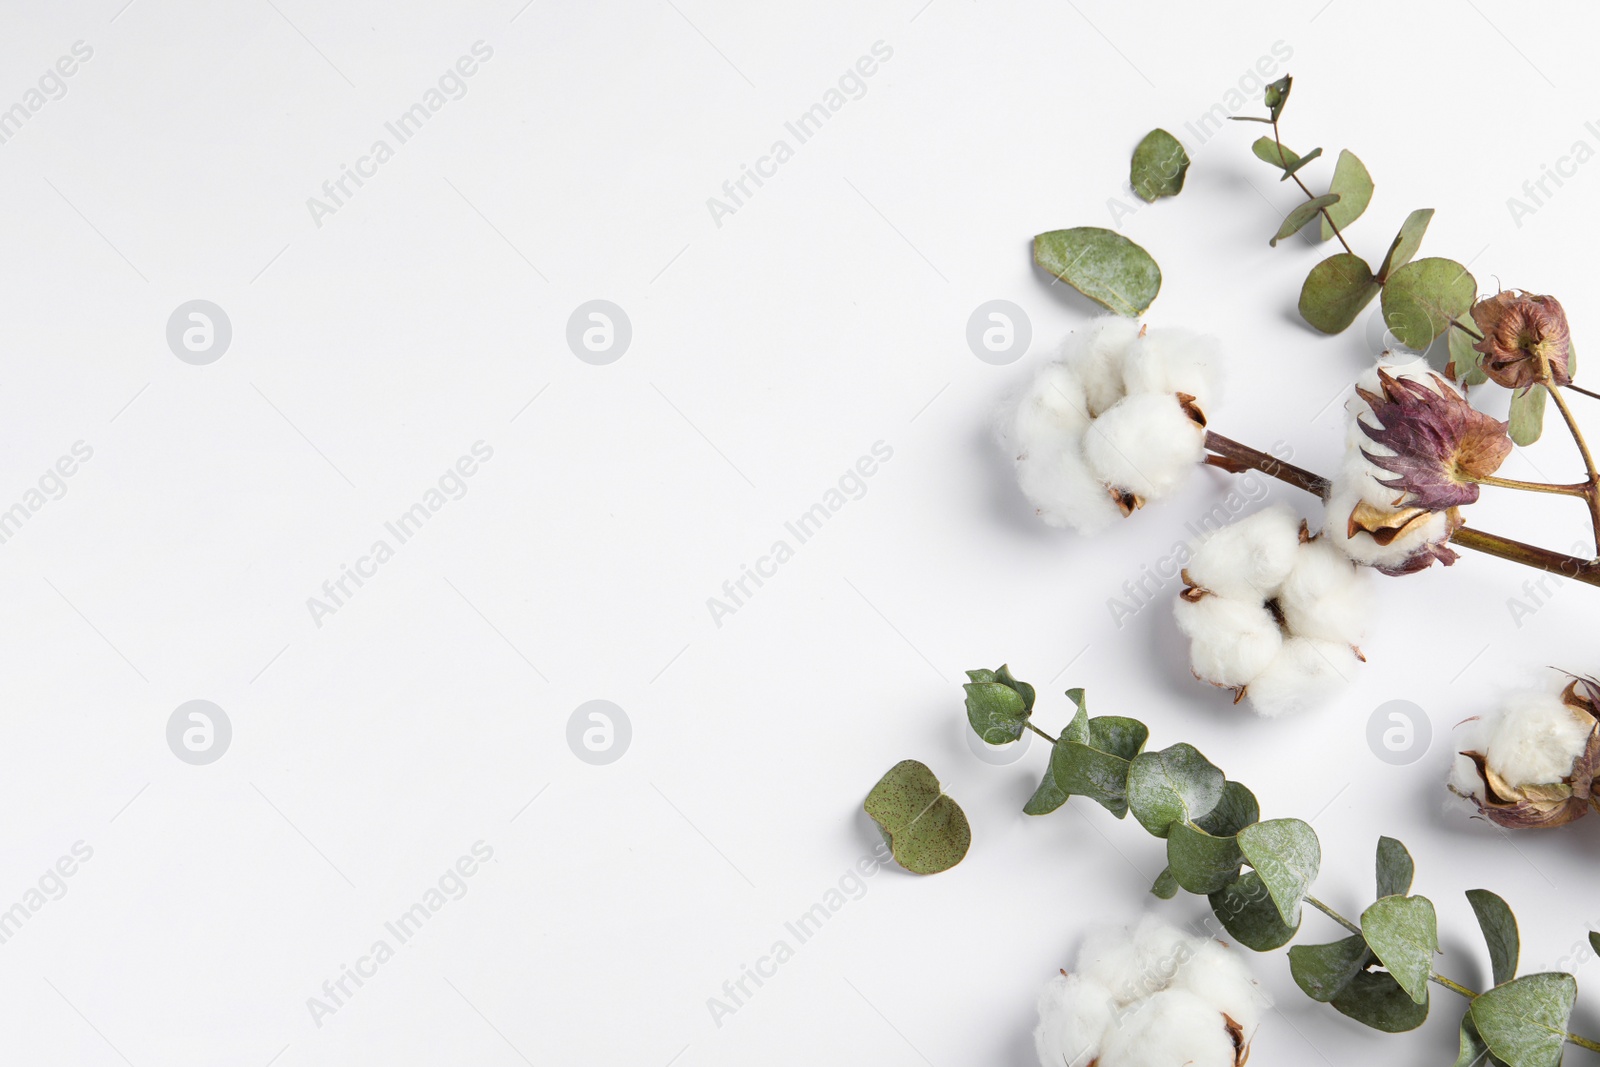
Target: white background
[768,354]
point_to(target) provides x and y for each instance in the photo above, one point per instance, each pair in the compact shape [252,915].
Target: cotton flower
[1117,420]
[1414,450]
[1533,762]
[1152,996]
[1525,338]
[1272,613]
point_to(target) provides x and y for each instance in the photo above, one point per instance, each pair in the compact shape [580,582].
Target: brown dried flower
[1525,338]
[1441,444]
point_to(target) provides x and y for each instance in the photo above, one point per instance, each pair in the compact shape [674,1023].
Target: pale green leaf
[1354,186]
[1335,292]
[927,831]
[1403,932]
[1103,265]
[1159,165]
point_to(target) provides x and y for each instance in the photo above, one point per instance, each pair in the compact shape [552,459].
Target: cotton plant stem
[1592,489]
[1242,456]
[1283,159]
[1438,979]
[1585,392]
[1573,489]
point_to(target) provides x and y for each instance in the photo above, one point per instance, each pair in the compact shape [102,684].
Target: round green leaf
[1406,242]
[1200,862]
[1279,155]
[1499,928]
[1301,214]
[1120,736]
[1088,771]
[1159,166]
[1524,1022]
[1375,999]
[1324,971]
[997,712]
[1165,887]
[1335,292]
[1236,810]
[1395,868]
[1286,854]
[1246,911]
[1527,415]
[1420,299]
[1101,264]
[1403,932]
[926,830]
[1174,785]
[1354,186]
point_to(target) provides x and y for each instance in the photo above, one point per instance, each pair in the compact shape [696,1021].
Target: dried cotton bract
[1152,996]
[1272,613]
[1533,762]
[1117,420]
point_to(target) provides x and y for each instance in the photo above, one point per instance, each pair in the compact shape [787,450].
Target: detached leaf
[1247,911]
[1375,999]
[1395,868]
[1524,1022]
[1199,862]
[1403,932]
[1286,854]
[1324,971]
[1103,265]
[926,830]
[1301,214]
[1335,292]
[1269,151]
[1159,166]
[1466,362]
[1354,186]
[1406,242]
[1499,928]
[1174,785]
[1527,415]
[1420,299]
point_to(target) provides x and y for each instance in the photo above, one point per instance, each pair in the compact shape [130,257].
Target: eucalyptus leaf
[1499,928]
[1277,95]
[1103,265]
[1524,1022]
[1288,171]
[1048,796]
[1246,910]
[1286,854]
[1474,1053]
[997,712]
[1420,299]
[1594,942]
[1406,242]
[1301,214]
[1395,868]
[1335,292]
[1403,932]
[1118,735]
[1466,362]
[1375,999]
[1159,166]
[1354,186]
[927,831]
[1078,729]
[1091,772]
[1165,886]
[1174,785]
[1324,971]
[1199,862]
[1527,415]
[1279,155]
[1236,810]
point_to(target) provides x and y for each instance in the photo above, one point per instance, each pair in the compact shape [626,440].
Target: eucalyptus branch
[1284,159]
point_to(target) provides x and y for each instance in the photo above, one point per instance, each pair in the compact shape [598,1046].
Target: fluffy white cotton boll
[1174,1028]
[1145,444]
[1230,641]
[1132,964]
[1097,353]
[1062,490]
[1053,408]
[1175,360]
[1356,483]
[1416,370]
[1306,672]
[1074,1015]
[1535,739]
[1325,596]
[1219,977]
[1248,559]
